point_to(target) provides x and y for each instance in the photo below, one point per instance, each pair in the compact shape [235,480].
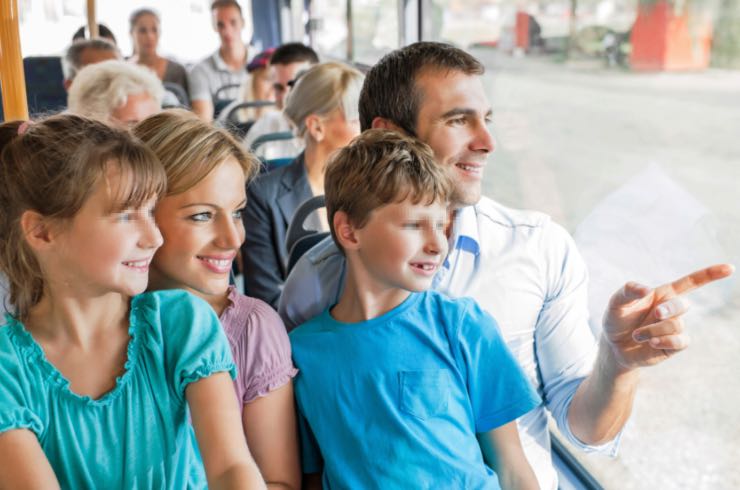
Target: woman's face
[145,34]
[202,230]
[338,131]
[262,84]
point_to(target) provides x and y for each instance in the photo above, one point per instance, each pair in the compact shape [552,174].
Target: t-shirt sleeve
[198,83]
[15,393]
[195,345]
[263,354]
[311,459]
[498,389]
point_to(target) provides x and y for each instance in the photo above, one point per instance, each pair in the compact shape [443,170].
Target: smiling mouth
[217,265]
[141,265]
[468,167]
[424,267]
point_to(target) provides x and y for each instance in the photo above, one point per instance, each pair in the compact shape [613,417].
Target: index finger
[700,278]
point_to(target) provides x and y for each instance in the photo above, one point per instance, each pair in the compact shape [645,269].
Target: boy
[401,386]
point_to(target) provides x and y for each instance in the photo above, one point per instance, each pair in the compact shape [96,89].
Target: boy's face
[402,246]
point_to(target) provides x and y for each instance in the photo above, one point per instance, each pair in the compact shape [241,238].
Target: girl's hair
[138,13]
[51,168]
[190,149]
[322,89]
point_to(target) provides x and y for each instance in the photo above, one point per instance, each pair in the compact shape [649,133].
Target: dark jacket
[272,200]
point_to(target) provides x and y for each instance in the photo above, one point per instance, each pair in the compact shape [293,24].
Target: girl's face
[101,251]
[146,34]
[338,130]
[202,230]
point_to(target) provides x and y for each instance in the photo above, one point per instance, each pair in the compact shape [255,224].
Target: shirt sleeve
[311,459]
[15,393]
[198,83]
[498,388]
[565,345]
[195,345]
[263,354]
[313,285]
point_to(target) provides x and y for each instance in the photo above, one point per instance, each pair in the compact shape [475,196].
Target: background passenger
[145,30]
[323,108]
[86,52]
[200,220]
[116,92]
[286,63]
[257,87]
[103,32]
[404,371]
[90,395]
[224,67]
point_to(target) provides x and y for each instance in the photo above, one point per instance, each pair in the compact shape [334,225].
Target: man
[116,92]
[86,52]
[286,63]
[519,265]
[227,66]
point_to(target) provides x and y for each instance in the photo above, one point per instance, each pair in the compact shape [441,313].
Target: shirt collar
[465,231]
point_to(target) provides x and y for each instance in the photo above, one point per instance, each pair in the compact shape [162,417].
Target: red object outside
[663,40]
[522,31]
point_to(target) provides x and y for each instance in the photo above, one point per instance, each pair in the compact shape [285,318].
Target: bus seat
[299,239]
[44,84]
[272,163]
[220,101]
[228,118]
[179,92]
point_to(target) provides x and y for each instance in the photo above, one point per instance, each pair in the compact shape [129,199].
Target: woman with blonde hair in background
[323,108]
[200,221]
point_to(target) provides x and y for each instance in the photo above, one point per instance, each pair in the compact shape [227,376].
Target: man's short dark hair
[103,31]
[219,4]
[289,53]
[390,89]
[72,61]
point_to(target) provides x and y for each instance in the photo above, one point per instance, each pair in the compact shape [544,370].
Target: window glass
[328,27]
[374,29]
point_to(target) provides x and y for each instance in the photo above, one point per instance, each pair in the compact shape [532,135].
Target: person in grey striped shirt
[227,66]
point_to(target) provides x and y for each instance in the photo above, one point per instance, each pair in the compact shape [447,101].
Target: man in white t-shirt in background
[286,63]
[227,66]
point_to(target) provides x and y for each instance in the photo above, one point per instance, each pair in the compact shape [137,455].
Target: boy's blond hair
[382,167]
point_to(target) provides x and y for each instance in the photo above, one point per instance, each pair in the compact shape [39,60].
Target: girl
[200,220]
[92,394]
[323,109]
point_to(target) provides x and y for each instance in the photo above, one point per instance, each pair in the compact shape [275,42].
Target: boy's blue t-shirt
[397,401]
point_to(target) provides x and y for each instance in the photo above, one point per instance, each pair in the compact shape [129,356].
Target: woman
[323,109]
[200,222]
[145,28]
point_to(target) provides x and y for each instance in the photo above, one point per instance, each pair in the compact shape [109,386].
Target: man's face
[453,119]
[229,23]
[281,75]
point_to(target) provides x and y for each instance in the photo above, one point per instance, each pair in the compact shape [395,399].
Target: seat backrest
[44,84]
[178,91]
[220,92]
[299,239]
[229,116]
[269,138]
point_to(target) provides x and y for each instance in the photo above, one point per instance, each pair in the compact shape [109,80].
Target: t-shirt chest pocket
[424,394]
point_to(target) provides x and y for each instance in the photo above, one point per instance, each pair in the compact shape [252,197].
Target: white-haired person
[116,92]
[322,107]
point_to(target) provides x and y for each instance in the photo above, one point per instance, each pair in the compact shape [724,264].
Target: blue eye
[201,217]
[238,213]
[125,216]
[411,225]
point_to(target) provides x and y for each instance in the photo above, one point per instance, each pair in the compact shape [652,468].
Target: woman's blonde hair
[322,89]
[51,167]
[190,149]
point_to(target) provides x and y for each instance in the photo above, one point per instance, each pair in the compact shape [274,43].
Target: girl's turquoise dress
[138,434]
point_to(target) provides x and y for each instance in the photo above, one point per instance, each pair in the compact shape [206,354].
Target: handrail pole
[92,22]
[12,78]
